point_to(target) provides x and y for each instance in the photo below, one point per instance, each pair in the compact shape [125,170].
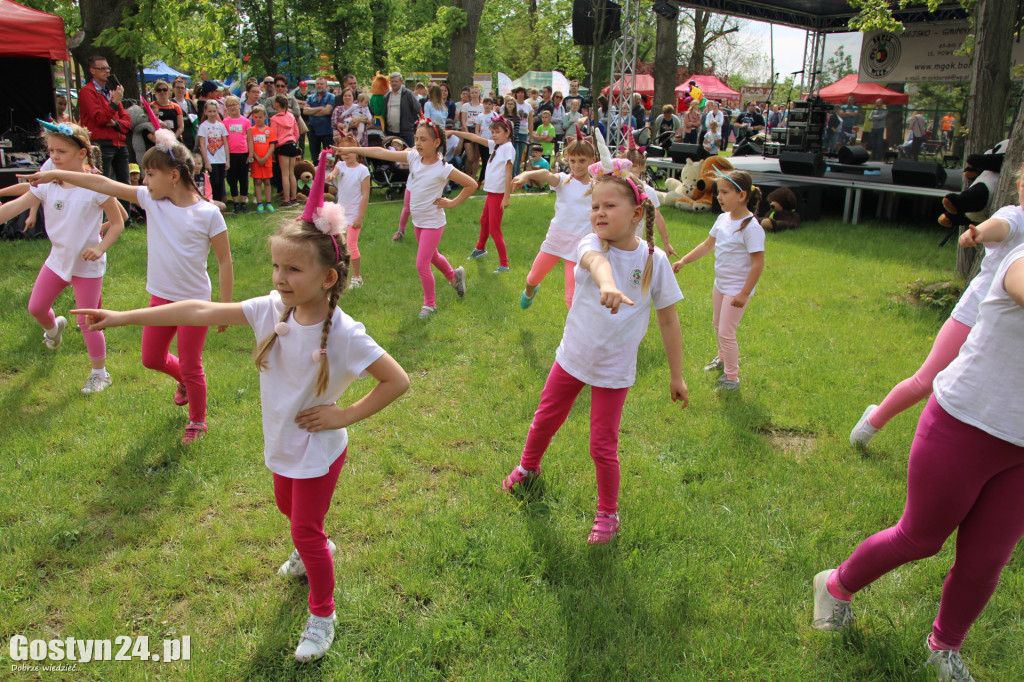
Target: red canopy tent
[644,85]
[713,88]
[27,32]
[863,93]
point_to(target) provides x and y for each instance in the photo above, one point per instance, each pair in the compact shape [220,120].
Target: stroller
[386,175]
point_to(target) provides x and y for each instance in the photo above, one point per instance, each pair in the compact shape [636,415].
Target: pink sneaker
[605,528]
[193,432]
[518,476]
[181,395]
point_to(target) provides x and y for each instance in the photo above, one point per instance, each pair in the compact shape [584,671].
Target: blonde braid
[645,281]
[323,375]
[260,356]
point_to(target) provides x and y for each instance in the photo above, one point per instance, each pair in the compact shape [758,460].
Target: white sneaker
[96,382]
[294,566]
[53,342]
[715,364]
[460,281]
[427,311]
[829,613]
[863,432]
[355,282]
[316,639]
[946,664]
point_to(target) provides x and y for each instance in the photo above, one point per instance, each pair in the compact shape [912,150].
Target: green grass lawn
[110,527]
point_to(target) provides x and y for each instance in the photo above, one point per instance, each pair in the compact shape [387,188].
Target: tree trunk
[665,60]
[462,58]
[990,89]
[695,65]
[1007,192]
[380,11]
[97,16]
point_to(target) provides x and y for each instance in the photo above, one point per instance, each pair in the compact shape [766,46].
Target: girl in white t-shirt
[599,346]
[1000,234]
[181,228]
[738,242]
[78,252]
[965,474]
[213,145]
[428,175]
[309,352]
[497,186]
[468,112]
[571,221]
[353,182]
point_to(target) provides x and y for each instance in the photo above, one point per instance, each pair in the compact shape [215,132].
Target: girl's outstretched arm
[392,382]
[469,186]
[601,271]
[468,136]
[18,206]
[93,181]
[992,230]
[376,153]
[756,266]
[702,249]
[672,339]
[187,313]
[15,190]
[540,175]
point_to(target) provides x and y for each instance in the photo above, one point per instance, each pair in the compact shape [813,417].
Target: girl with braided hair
[309,352]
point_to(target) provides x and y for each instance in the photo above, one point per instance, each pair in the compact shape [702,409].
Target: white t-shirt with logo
[426,183]
[732,252]
[288,385]
[216,141]
[524,110]
[494,178]
[483,125]
[350,189]
[472,111]
[966,310]
[177,246]
[73,218]
[571,222]
[599,348]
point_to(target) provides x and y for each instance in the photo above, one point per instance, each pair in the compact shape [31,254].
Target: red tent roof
[712,87]
[864,93]
[27,32]
[644,85]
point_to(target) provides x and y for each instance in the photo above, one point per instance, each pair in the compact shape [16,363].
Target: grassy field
[110,528]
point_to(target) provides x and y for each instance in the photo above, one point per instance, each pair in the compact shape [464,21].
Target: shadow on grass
[273,658]
[873,655]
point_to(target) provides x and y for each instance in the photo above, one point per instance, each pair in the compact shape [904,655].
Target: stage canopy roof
[863,93]
[27,32]
[644,85]
[827,16]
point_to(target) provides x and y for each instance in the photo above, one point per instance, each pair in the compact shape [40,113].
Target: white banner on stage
[923,53]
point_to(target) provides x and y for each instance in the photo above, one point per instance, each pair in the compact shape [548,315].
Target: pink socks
[836,589]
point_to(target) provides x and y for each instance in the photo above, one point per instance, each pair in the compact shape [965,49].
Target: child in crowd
[618,279]
[482,122]
[212,145]
[309,352]
[78,252]
[497,186]
[713,138]
[239,153]
[545,135]
[181,228]
[738,242]
[262,141]
[965,474]
[353,182]
[638,169]
[1000,234]
[361,114]
[571,221]
[286,130]
[536,162]
[468,113]
[428,175]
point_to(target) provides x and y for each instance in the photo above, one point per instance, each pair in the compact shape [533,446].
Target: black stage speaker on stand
[680,152]
[596,22]
[747,148]
[853,155]
[802,163]
[918,173]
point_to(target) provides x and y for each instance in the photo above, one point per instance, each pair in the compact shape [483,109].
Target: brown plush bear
[782,213]
[304,172]
[702,196]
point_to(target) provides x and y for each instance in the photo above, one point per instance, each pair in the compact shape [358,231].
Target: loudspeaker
[918,173]
[595,21]
[748,148]
[802,163]
[681,152]
[853,156]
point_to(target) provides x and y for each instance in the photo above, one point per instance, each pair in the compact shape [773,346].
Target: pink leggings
[958,478]
[543,264]
[88,294]
[403,219]
[910,392]
[156,345]
[725,319]
[557,398]
[490,226]
[305,502]
[352,241]
[427,255]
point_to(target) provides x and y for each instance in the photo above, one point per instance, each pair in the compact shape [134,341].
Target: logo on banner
[881,55]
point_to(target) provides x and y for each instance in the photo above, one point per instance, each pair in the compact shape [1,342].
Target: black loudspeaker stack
[918,173]
[802,163]
[853,155]
[595,22]
[681,152]
[747,148]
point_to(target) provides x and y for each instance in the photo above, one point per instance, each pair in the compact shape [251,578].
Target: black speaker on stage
[802,163]
[747,148]
[853,156]
[681,152]
[596,21]
[918,173]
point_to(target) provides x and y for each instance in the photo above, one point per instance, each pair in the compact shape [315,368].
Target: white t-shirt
[732,252]
[571,222]
[426,183]
[216,141]
[177,246]
[483,125]
[350,189]
[524,110]
[288,385]
[984,385]
[599,348]
[494,178]
[966,310]
[73,217]
[472,111]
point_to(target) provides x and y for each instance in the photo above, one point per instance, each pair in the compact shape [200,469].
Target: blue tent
[159,70]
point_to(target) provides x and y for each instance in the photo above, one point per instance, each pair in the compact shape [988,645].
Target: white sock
[51,332]
[102,371]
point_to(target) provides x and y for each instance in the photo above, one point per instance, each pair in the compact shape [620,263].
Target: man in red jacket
[101,111]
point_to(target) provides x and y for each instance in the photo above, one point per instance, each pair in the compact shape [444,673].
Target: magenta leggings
[490,226]
[88,294]
[910,392]
[352,241]
[726,319]
[543,264]
[959,478]
[403,219]
[187,368]
[305,502]
[427,255]
[557,398]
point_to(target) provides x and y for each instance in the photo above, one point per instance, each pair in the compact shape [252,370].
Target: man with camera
[103,114]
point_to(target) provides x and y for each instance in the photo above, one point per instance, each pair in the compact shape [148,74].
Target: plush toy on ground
[972,205]
[682,187]
[702,196]
[304,172]
[782,213]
